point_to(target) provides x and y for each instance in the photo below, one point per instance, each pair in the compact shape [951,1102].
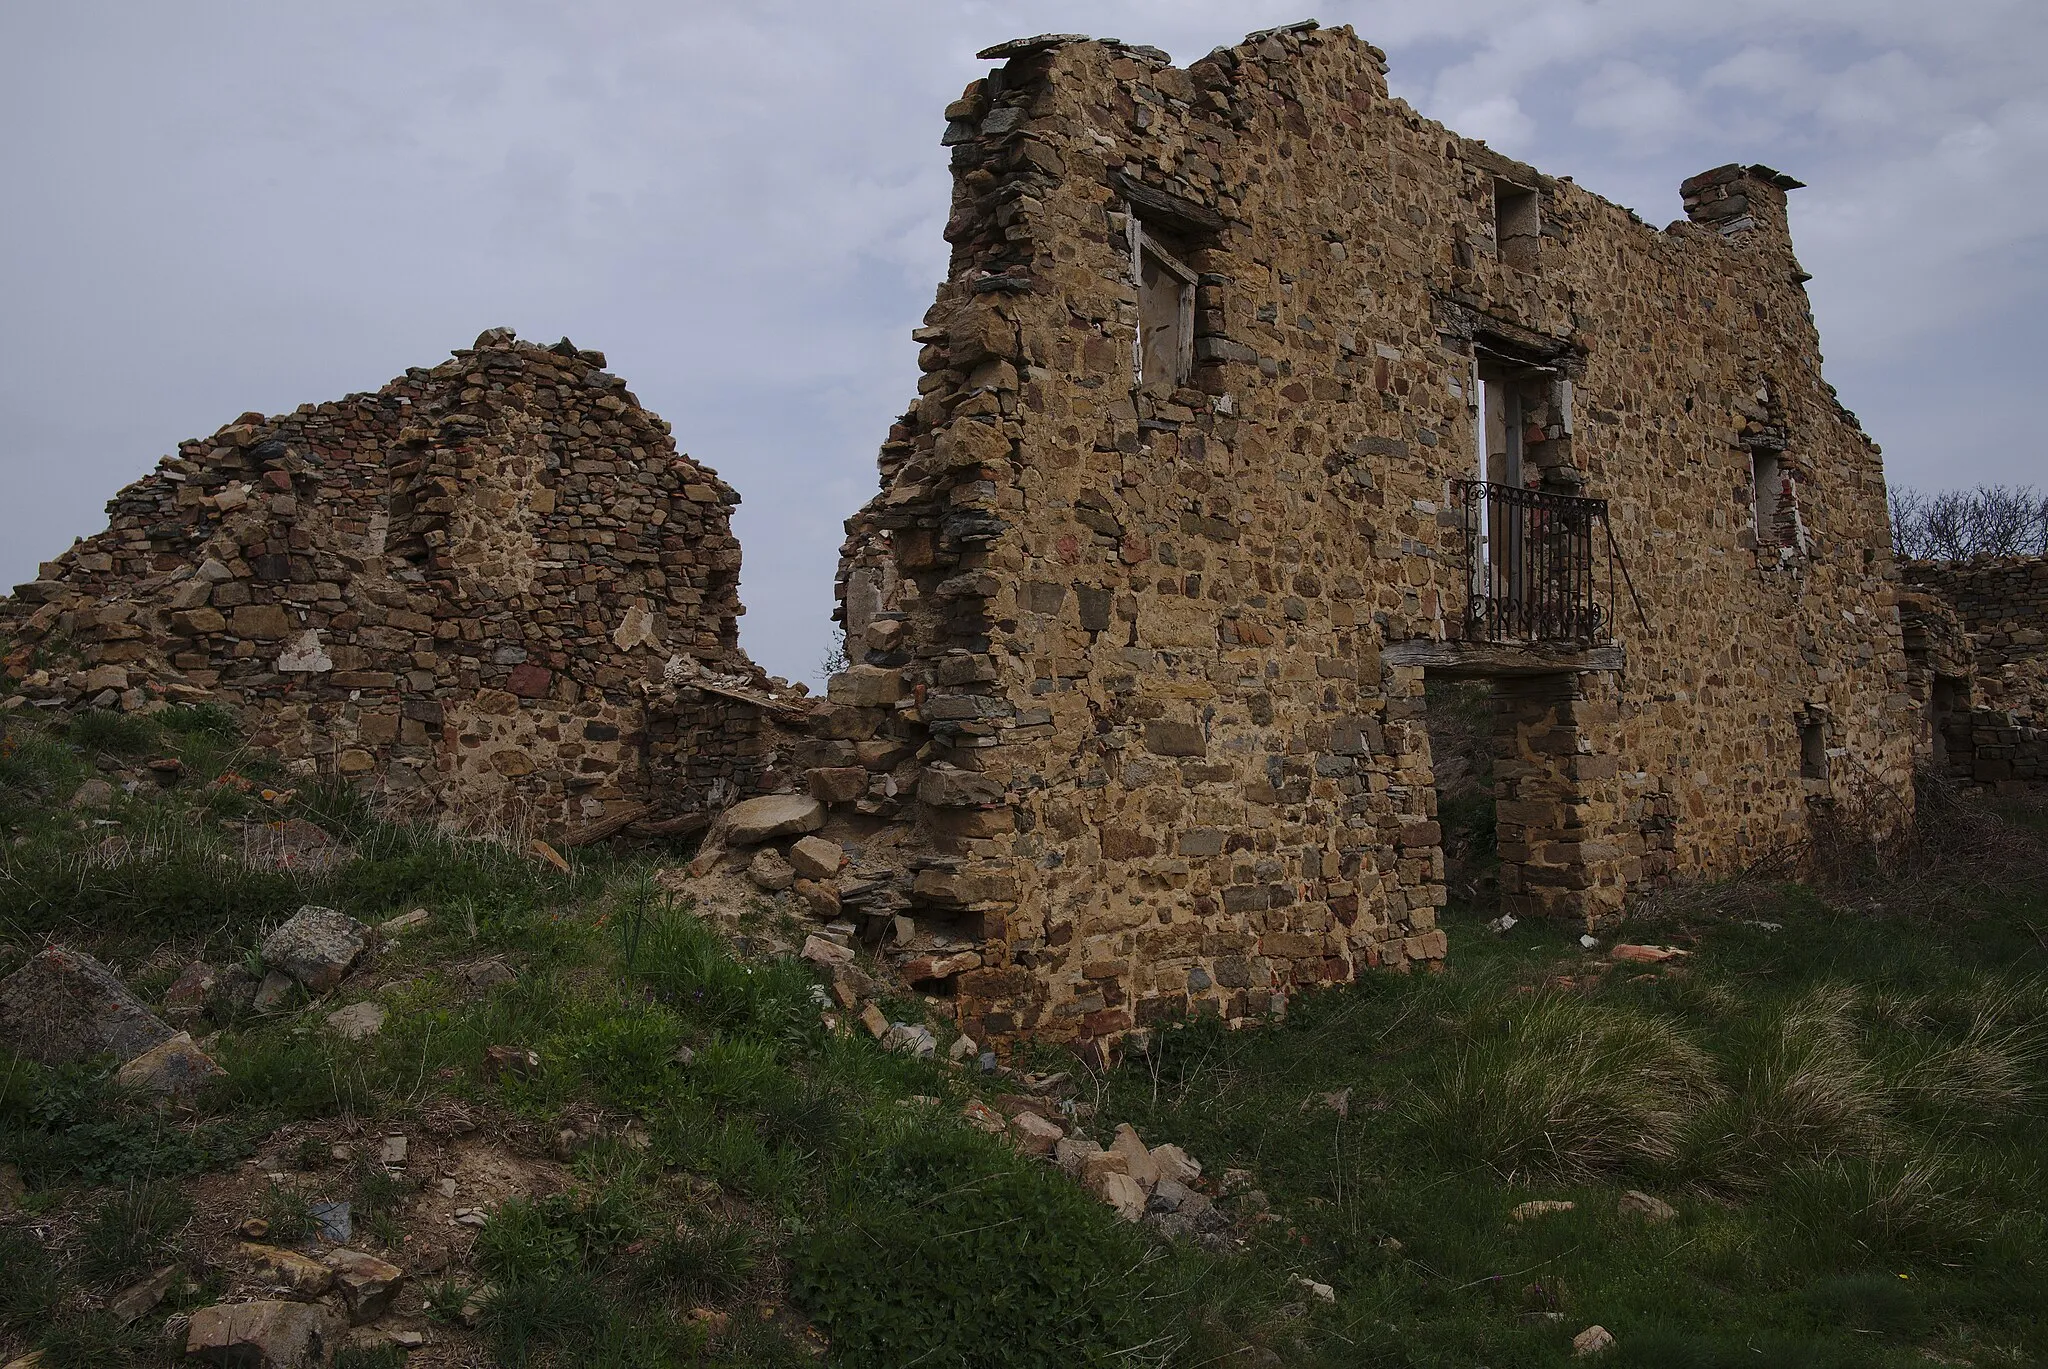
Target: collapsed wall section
[455,592]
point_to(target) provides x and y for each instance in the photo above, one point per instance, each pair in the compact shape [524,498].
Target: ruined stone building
[454,591]
[1252,401]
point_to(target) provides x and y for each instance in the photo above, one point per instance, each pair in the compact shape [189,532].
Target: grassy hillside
[1839,1093]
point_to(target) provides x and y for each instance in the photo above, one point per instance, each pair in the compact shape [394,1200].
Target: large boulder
[64,1005]
[773,815]
[315,946]
[272,1334]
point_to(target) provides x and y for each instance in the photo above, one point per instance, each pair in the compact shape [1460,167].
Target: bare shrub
[1955,525]
[1866,843]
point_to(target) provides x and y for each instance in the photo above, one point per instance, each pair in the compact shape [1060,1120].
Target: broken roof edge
[1470,149]
[1046,42]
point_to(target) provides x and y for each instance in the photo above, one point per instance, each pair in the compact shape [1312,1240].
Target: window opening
[1517,224]
[1813,749]
[1165,353]
[1777,513]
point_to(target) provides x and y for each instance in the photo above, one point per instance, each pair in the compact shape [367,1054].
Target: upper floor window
[1517,224]
[1776,505]
[1166,311]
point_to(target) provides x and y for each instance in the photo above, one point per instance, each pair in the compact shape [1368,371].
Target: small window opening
[1813,749]
[1777,515]
[1517,224]
[1166,312]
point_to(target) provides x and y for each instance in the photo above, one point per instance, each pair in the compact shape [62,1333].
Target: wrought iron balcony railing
[1536,567]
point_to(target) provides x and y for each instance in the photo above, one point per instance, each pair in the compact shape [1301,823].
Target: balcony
[1540,572]
[1537,569]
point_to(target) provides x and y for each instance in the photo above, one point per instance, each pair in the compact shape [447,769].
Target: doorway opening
[1460,716]
[1528,792]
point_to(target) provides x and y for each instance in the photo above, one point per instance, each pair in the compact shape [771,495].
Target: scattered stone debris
[1321,1292]
[1592,1341]
[1639,1204]
[481,975]
[516,1060]
[175,1068]
[404,922]
[269,1334]
[1646,955]
[63,1006]
[315,946]
[366,1283]
[357,1021]
[287,1269]
[140,1297]
[191,991]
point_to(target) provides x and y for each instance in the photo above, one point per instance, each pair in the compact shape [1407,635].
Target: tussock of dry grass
[1553,1085]
[1802,1092]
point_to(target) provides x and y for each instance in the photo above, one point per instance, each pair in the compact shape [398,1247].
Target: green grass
[132,1230]
[30,1283]
[1847,1113]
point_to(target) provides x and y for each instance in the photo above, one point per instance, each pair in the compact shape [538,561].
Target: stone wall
[456,592]
[1157,642]
[1977,646]
[2002,602]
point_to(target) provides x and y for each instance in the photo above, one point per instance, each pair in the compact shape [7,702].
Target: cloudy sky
[211,207]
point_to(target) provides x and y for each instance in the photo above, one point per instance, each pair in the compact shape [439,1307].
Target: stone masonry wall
[2002,602]
[1145,647]
[455,592]
[1977,643]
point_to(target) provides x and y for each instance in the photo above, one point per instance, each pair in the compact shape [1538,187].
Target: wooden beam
[1482,659]
[1170,211]
[673,827]
[608,825]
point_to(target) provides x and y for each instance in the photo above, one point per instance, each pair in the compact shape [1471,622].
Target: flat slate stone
[773,815]
[1021,47]
[269,1334]
[64,1006]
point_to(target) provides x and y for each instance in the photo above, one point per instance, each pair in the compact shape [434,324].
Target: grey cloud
[216,207]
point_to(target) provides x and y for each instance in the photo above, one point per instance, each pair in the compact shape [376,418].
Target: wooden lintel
[1482,659]
[672,827]
[1169,210]
[761,701]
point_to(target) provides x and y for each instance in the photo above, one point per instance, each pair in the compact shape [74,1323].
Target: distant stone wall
[456,592]
[2002,602]
[1977,642]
